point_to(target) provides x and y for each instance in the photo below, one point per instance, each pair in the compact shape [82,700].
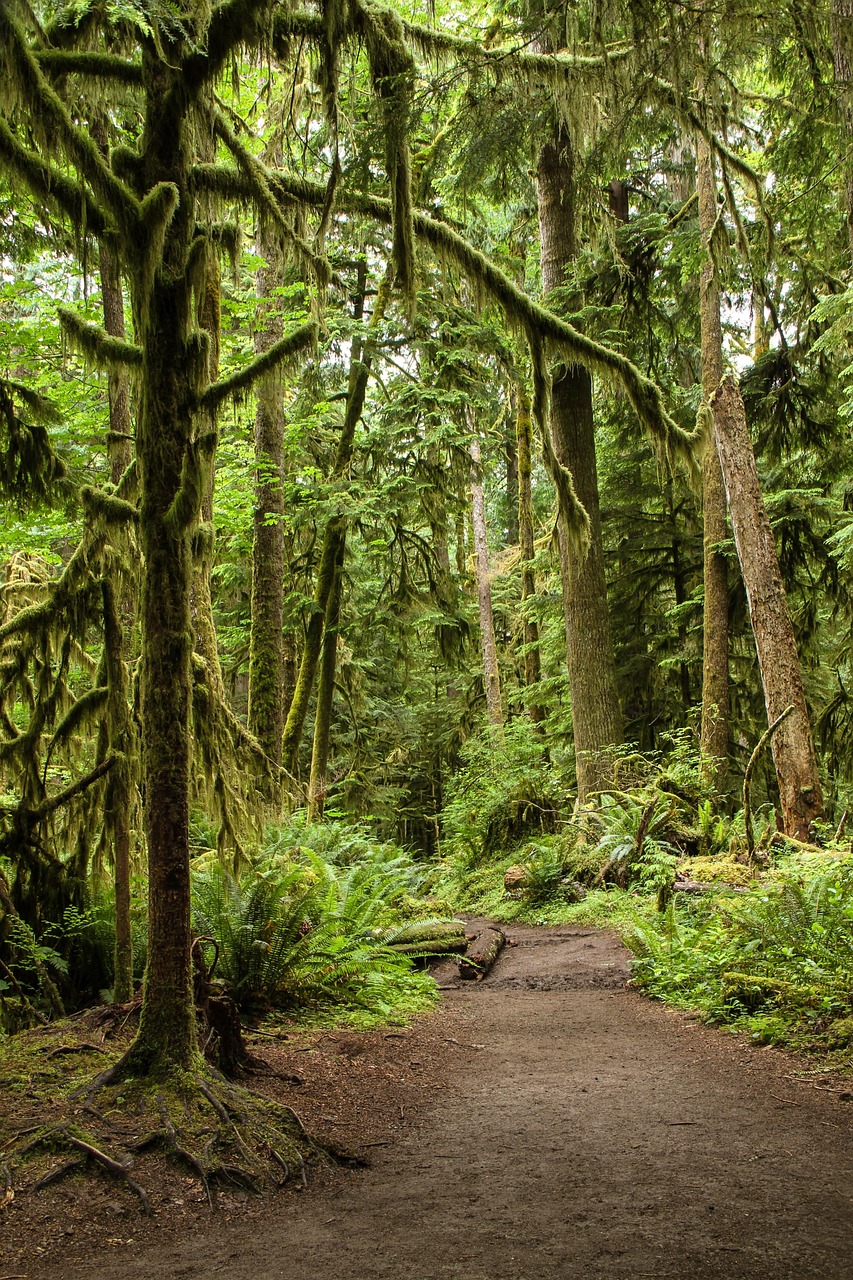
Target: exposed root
[85,1047]
[115,1168]
[60,1171]
[219,1131]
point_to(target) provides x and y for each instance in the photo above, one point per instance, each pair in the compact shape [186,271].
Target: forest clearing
[425,545]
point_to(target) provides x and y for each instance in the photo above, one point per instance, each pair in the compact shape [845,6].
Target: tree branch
[50,184]
[537,321]
[95,343]
[300,339]
[100,66]
[80,148]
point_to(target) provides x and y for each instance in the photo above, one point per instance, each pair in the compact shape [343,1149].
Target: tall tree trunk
[166,1039]
[266,641]
[318,783]
[842,48]
[119,784]
[714,748]
[201,601]
[334,538]
[523,436]
[120,454]
[511,459]
[484,591]
[793,748]
[596,714]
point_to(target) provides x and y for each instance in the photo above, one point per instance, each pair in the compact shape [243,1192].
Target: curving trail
[593,1134]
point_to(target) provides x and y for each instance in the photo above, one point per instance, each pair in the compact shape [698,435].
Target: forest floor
[547,1122]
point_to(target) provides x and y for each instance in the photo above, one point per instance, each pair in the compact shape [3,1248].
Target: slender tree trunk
[484,591]
[793,748]
[714,748]
[119,785]
[511,458]
[201,601]
[523,435]
[318,783]
[842,48]
[334,538]
[266,640]
[596,714]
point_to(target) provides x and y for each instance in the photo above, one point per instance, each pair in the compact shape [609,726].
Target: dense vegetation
[424,450]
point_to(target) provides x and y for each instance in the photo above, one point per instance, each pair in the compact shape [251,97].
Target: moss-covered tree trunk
[793,747]
[118,629]
[715,633]
[118,790]
[166,1039]
[842,49]
[488,647]
[596,714]
[334,538]
[208,304]
[266,641]
[523,437]
[318,783]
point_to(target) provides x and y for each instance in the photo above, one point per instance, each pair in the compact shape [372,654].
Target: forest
[426,489]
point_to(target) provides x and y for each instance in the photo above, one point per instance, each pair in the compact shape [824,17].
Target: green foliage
[775,960]
[297,930]
[506,790]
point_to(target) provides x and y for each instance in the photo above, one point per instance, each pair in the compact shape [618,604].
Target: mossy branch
[73,576]
[76,142]
[667,93]
[50,184]
[300,339]
[49,806]
[186,503]
[81,712]
[96,344]
[97,66]
[106,508]
[255,173]
[546,66]
[536,322]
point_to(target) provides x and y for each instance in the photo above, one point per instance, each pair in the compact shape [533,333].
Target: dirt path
[593,1134]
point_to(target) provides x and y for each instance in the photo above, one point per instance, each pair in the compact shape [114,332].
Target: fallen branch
[747,778]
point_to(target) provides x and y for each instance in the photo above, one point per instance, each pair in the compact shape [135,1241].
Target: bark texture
[793,747]
[523,437]
[488,648]
[118,629]
[715,648]
[596,714]
[164,325]
[266,642]
[318,783]
[842,49]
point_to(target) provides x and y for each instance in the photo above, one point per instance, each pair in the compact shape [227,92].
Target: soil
[546,1122]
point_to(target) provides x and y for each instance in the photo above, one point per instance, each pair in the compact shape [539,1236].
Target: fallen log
[482,953]
[684,885]
[428,937]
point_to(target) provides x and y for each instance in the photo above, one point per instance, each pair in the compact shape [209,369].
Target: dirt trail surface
[581,1131]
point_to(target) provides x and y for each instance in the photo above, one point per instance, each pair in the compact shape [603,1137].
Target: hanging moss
[301,339]
[96,344]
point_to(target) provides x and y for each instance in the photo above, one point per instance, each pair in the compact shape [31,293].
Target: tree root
[114,1167]
[221,1132]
